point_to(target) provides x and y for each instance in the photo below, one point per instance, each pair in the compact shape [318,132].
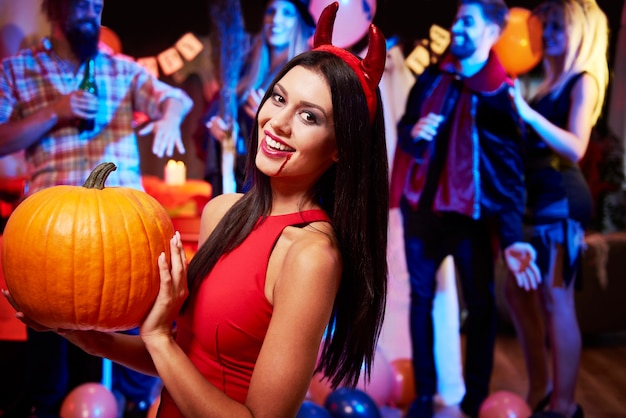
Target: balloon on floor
[89,400]
[310,409]
[319,389]
[348,403]
[504,404]
[403,390]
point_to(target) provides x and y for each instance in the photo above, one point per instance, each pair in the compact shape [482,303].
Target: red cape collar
[489,79]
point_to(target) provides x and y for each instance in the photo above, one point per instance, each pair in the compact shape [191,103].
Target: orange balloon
[503,404]
[520,47]
[110,39]
[403,392]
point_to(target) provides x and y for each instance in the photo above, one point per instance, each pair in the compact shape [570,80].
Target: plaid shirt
[37,77]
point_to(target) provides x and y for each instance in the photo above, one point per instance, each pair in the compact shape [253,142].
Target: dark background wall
[148,26]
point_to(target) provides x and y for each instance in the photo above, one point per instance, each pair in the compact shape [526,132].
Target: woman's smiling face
[279,22]
[554,33]
[296,127]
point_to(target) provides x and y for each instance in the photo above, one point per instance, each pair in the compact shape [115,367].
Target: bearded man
[40,104]
[458,178]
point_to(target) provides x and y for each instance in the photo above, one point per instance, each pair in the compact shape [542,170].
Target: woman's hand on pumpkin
[20,315]
[172,293]
[86,340]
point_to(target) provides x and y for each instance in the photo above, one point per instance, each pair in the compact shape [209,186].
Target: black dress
[559,202]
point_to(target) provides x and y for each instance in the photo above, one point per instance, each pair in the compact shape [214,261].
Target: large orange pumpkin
[86,257]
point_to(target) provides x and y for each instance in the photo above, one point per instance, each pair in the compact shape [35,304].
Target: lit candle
[175,173]
[168,173]
[181,173]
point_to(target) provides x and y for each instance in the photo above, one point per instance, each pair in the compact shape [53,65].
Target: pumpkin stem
[99,175]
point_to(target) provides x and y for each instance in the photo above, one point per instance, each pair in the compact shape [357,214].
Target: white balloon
[352,22]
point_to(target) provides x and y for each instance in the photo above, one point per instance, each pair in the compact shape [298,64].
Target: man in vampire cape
[458,179]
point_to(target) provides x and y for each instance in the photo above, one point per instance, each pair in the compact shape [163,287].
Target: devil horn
[373,65]
[324,29]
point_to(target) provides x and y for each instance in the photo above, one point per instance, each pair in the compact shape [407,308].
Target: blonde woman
[560,118]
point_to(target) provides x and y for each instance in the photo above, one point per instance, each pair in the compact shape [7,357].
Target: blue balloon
[312,410]
[348,403]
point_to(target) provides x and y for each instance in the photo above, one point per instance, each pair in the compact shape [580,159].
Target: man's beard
[83,44]
[464,50]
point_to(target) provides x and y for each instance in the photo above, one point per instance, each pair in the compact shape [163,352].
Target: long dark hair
[354,193]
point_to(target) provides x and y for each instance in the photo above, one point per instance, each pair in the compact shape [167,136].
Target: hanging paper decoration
[189,46]
[428,51]
[171,60]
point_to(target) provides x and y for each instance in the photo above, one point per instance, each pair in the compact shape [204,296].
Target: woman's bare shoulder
[315,241]
[214,211]
[321,232]
[305,261]
[222,203]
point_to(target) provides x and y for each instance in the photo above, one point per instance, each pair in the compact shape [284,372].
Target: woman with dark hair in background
[286,32]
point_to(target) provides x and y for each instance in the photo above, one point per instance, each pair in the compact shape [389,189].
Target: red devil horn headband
[370,69]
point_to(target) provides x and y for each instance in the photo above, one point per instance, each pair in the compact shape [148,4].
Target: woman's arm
[302,293]
[193,394]
[127,350]
[303,298]
[570,143]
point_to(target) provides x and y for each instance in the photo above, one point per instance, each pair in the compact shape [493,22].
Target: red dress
[224,326]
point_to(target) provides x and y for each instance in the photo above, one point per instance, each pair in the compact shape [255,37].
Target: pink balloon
[89,400]
[319,389]
[381,383]
[352,22]
[503,404]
